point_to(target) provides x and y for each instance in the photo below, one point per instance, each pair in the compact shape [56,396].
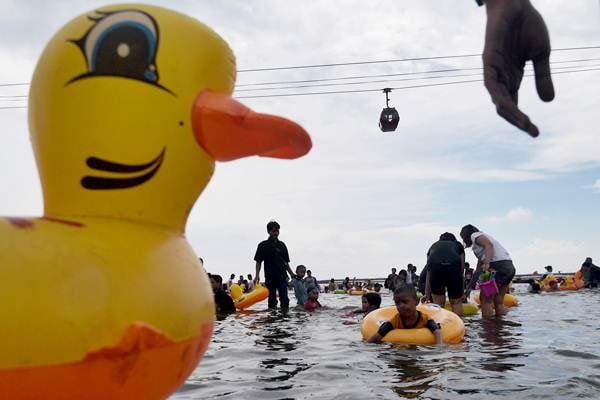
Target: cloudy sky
[363,201]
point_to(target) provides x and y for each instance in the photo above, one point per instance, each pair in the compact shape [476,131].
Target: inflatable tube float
[356,292]
[339,291]
[453,329]
[509,300]
[103,296]
[569,283]
[246,300]
[468,308]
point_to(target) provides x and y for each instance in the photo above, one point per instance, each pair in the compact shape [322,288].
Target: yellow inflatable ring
[246,300]
[453,329]
[468,308]
[509,300]
[356,292]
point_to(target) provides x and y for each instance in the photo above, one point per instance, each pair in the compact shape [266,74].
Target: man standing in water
[275,255]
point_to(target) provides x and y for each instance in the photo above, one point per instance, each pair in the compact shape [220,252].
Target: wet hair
[272,225]
[466,232]
[217,278]
[448,237]
[374,299]
[406,289]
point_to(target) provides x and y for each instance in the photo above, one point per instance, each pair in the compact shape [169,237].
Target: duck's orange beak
[229,130]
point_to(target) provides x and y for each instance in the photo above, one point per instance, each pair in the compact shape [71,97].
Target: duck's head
[130,107]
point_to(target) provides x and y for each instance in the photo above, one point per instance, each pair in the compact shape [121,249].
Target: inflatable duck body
[103,298]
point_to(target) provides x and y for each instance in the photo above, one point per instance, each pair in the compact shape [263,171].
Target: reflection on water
[547,347]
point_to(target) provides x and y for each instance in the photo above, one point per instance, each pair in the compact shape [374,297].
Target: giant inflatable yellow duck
[102,297]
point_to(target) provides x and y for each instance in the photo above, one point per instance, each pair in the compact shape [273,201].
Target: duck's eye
[123,43]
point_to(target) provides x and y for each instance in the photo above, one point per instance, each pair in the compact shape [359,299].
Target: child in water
[370,301]
[312,303]
[405,298]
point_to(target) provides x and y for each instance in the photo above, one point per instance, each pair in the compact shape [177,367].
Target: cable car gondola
[389,118]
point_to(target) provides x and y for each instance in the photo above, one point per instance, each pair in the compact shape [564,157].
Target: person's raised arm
[515,33]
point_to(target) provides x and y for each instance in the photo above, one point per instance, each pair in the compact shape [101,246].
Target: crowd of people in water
[445,277]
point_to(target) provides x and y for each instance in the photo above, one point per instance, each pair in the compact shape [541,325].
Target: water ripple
[547,348]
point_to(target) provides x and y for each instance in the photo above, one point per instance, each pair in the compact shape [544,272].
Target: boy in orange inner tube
[405,298]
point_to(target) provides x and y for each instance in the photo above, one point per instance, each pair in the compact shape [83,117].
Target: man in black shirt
[446,263]
[274,254]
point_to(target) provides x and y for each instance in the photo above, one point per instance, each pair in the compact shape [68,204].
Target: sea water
[548,347]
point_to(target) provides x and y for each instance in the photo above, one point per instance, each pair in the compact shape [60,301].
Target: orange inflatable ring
[453,329]
[246,300]
[509,300]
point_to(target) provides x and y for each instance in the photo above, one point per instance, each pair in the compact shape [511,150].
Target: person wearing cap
[446,265]
[491,256]
[548,269]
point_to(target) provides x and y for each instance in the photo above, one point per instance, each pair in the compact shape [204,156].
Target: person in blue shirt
[299,285]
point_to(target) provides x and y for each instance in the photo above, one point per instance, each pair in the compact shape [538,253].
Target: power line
[396,88]
[383,80]
[395,74]
[371,62]
[24,97]
[371,90]
[393,60]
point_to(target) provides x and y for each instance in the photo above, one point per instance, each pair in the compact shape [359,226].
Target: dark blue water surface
[547,347]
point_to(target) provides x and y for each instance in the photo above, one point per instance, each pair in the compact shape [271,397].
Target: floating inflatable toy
[468,308]
[549,284]
[453,328]
[356,292]
[568,283]
[235,291]
[246,300]
[103,297]
[339,291]
[509,300]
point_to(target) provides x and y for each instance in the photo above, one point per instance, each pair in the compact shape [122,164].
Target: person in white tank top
[491,255]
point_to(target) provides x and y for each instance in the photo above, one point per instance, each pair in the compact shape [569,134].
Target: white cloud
[563,255]
[513,215]
[596,185]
